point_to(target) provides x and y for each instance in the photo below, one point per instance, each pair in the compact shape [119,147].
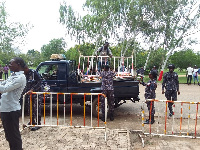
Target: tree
[55,46]
[163,24]
[106,19]
[9,33]
[182,59]
[34,57]
[172,22]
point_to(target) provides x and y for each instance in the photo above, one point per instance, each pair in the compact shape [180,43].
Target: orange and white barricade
[181,124]
[49,122]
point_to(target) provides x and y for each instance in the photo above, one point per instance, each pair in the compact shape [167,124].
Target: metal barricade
[181,112]
[92,63]
[57,105]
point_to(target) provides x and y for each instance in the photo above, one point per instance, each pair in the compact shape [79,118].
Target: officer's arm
[96,52]
[110,52]
[177,84]
[38,81]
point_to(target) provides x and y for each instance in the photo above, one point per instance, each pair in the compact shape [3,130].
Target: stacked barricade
[179,125]
[45,94]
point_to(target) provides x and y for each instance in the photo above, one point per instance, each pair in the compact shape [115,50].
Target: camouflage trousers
[171,95]
[34,108]
[111,100]
[151,108]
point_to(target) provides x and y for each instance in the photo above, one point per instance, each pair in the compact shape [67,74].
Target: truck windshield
[48,71]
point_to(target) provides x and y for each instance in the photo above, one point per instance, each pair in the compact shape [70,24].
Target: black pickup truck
[61,76]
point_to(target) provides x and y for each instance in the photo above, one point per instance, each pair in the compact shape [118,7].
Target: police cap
[153,73]
[171,66]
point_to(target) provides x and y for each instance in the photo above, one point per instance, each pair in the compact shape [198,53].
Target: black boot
[36,128]
[111,116]
[152,119]
[33,123]
[147,121]
[171,113]
[103,117]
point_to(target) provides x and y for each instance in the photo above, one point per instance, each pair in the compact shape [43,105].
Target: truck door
[54,74]
[72,78]
[62,77]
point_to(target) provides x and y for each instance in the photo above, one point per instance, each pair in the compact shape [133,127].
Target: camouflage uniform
[103,52]
[108,90]
[171,85]
[151,86]
[34,83]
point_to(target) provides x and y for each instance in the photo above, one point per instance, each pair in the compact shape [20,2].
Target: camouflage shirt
[33,80]
[107,80]
[150,89]
[104,52]
[170,81]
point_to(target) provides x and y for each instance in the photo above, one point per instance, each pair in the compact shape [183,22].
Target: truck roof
[56,61]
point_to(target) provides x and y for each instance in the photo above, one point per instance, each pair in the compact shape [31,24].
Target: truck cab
[58,74]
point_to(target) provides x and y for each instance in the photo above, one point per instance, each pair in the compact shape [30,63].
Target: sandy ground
[124,131]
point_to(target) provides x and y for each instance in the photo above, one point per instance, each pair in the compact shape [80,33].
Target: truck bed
[122,88]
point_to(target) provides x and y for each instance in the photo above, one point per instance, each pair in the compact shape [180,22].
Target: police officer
[171,85]
[151,86]
[154,68]
[34,84]
[104,51]
[107,88]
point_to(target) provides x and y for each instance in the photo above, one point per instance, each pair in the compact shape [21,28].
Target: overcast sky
[44,16]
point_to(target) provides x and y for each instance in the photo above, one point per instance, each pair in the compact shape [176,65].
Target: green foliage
[182,59]
[33,58]
[161,23]
[55,46]
[156,58]
[85,49]
[9,33]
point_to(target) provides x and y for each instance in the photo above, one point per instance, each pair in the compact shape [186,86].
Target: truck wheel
[95,108]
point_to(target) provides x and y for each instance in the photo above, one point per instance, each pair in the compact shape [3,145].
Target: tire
[95,108]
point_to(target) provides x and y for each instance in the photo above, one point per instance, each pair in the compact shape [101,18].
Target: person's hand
[110,56]
[30,91]
[178,92]
[163,92]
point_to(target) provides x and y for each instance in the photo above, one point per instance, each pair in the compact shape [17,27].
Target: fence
[45,94]
[182,111]
[92,65]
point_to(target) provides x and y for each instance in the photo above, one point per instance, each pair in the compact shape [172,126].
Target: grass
[3,76]
[182,79]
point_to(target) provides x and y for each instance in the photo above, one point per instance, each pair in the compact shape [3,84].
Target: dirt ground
[126,128]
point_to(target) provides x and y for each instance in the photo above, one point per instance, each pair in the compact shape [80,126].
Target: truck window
[71,67]
[48,71]
[62,71]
